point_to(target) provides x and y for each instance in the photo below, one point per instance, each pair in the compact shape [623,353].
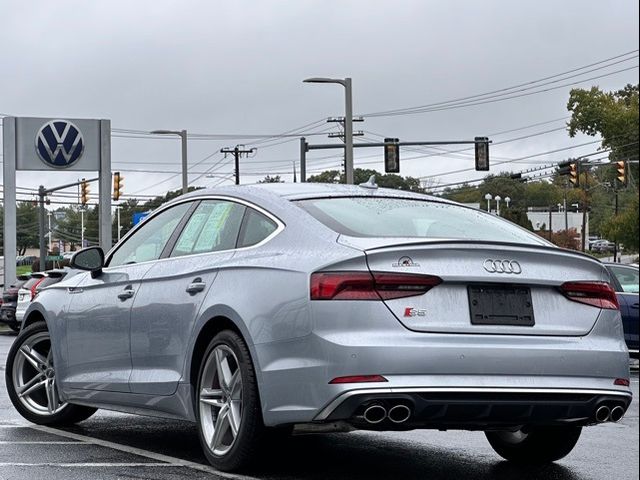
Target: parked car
[329,308]
[602,246]
[24,292]
[9,302]
[625,280]
[30,289]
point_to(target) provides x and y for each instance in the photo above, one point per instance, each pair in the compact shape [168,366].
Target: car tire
[31,382]
[537,446]
[228,410]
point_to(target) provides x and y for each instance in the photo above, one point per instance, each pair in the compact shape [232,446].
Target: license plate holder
[501,305]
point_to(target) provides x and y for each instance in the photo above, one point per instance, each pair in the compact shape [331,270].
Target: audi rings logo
[502,266]
[59,143]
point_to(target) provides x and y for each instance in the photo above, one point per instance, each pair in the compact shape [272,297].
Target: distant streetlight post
[507,200]
[488,198]
[498,198]
[348,121]
[183,136]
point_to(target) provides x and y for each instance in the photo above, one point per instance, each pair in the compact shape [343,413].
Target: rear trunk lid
[480,279]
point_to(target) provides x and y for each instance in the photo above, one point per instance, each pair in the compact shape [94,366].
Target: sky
[235,68]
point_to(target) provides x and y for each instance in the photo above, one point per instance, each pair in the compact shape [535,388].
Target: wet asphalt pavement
[117,446]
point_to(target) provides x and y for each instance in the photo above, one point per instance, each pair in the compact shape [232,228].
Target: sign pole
[41,214]
[104,204]
[9,199]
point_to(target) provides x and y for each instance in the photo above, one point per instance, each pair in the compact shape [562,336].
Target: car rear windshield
[401,217]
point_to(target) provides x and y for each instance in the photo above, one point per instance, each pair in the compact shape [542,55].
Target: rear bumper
[474,408]
[360,339]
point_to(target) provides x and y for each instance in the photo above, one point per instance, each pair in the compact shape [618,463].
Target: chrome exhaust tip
[375,413]
[617,413]
[399,414]
[603,413]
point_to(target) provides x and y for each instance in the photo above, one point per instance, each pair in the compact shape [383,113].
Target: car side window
[627,278]
[255,228]
[150,239]
[213,227]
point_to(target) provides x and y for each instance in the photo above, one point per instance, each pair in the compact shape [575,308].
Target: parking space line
[12,442]
[176,462]
[102,465]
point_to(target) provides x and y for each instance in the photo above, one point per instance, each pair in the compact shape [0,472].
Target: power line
[508,90]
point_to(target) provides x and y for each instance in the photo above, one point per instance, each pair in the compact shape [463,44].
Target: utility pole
[50,233]
[237,152]
[566,215]
[43,247]
[81,227]
[118,217]
[615,240]
[550,225]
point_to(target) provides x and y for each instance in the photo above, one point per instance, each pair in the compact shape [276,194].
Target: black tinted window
[255,228]
[213,227]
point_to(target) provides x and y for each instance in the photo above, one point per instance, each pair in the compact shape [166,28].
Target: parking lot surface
[117,446]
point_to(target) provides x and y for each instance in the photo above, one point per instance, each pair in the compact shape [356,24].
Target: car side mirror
[90,258]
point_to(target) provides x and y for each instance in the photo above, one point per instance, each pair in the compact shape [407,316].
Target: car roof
[301,191]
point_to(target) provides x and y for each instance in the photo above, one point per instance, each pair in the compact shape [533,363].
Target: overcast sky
[236,67]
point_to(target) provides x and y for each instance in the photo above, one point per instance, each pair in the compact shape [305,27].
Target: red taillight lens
[359,379]
[33,288]
[369,286]
[623,382]
[597,294]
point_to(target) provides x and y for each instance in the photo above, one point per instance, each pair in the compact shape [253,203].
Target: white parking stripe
[66,465]
[138,451]
[6,442]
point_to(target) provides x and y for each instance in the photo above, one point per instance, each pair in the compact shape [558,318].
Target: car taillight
[369,286]
[33,288]
[358,379]
[597,294]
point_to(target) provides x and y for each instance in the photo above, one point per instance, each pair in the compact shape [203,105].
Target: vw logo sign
[502,266]
[59,143]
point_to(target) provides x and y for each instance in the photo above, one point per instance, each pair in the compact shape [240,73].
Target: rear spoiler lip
[484,242]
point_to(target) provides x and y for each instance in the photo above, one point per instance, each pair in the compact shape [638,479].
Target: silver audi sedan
[315,308]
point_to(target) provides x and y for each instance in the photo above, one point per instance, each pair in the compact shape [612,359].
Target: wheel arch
[213,321]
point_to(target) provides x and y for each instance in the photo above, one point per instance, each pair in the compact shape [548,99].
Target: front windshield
[401,217]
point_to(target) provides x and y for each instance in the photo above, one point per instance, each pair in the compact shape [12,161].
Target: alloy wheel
[220,400]
[34,377]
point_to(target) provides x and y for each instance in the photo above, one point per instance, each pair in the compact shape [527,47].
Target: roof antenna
[371,183]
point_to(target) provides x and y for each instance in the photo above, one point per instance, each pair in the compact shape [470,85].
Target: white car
[29,290]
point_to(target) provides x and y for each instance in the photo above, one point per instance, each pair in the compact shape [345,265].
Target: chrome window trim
[280,225]
[326,411]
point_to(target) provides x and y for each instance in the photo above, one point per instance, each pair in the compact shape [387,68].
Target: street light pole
[348,121]
[183,137]
[488,198]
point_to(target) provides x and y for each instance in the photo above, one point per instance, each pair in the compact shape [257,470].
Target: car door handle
[196,286]
[127,293]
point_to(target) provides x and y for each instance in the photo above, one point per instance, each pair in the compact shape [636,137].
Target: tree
[624,227]
[612,115]
[27,227]
[361,175]
[517,216]
[270,179]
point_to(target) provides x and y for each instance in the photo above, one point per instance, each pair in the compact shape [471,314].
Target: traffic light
[574,174]
[391,155]
[117,185]
[482,154]
[564,168]
[84,192]
[621,172]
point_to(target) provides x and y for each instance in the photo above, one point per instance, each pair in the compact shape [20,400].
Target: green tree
[27,227]
[361,175]
[270,179]
[517,216]
[612,115]
[624,227]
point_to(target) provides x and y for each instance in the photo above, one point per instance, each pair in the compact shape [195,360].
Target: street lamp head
[165,132]
[498,198]
[323,80]
[507,199]
[488,196]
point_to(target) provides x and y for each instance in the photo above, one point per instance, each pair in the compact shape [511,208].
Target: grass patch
[23,269]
